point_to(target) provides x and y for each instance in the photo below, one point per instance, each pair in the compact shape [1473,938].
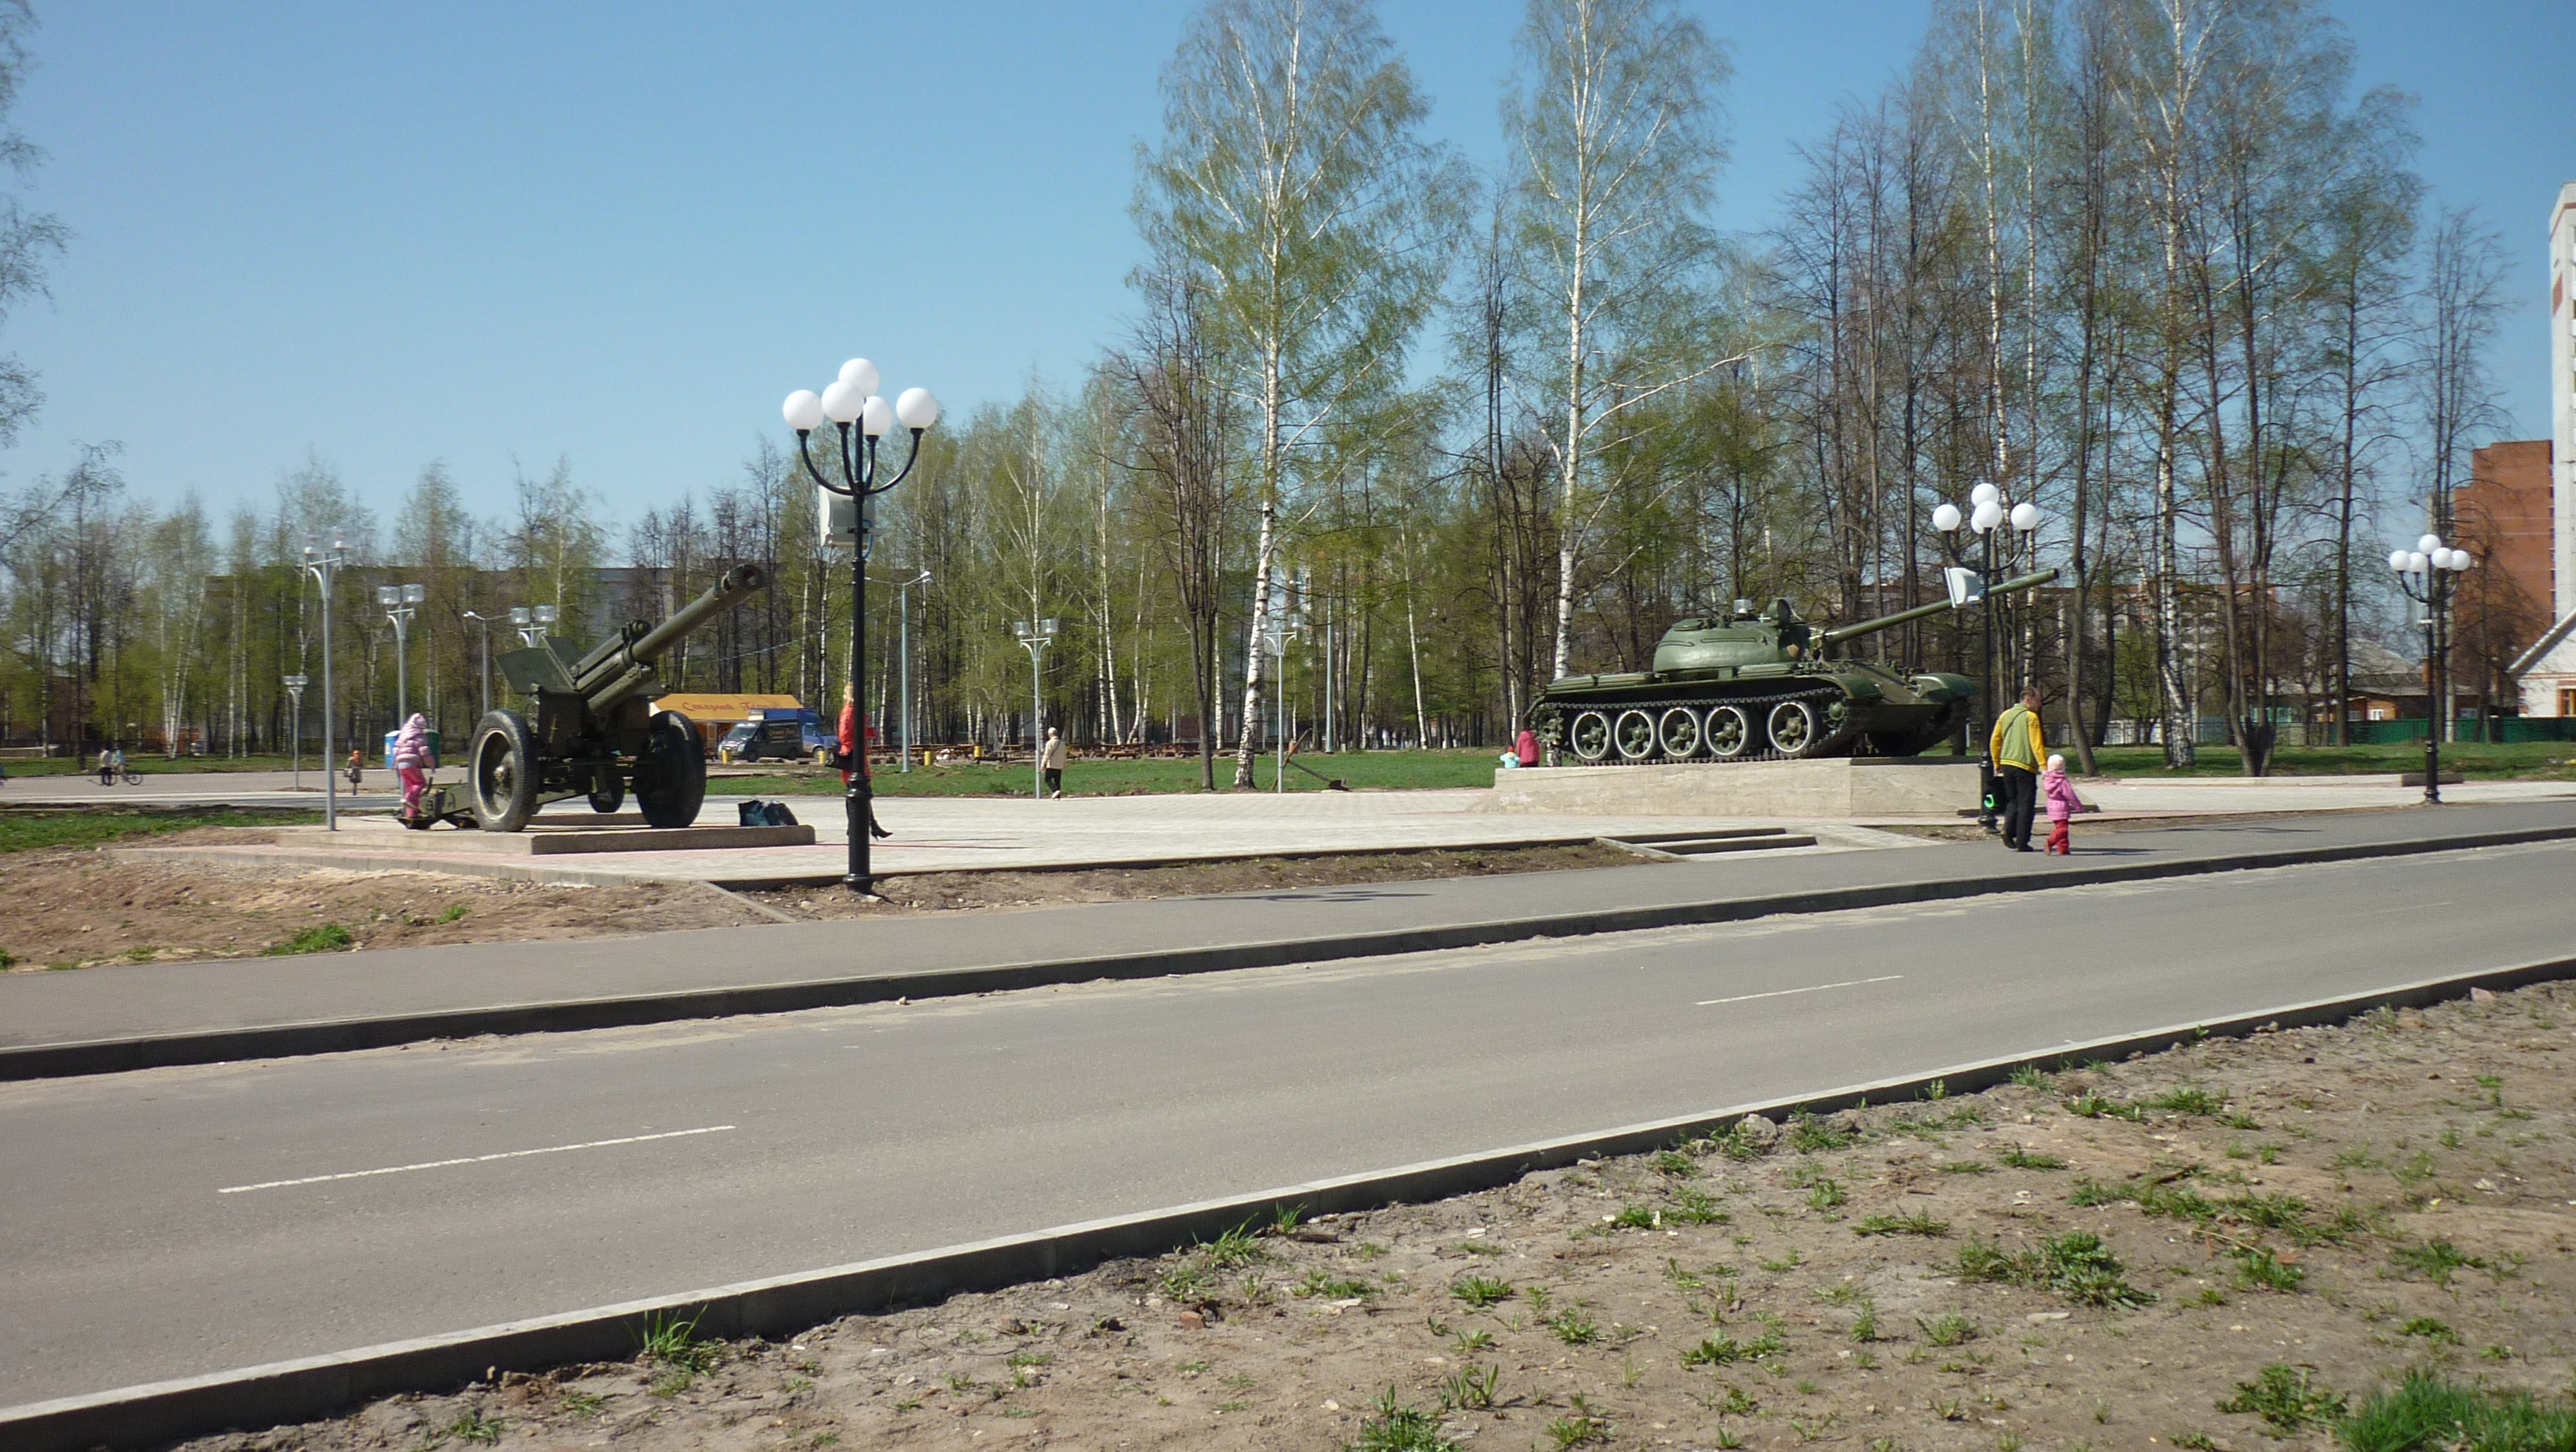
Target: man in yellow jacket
[2016,749]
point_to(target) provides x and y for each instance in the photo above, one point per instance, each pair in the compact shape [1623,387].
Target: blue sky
[490,233]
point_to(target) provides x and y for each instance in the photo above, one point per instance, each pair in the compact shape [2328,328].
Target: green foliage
[2427,1413]
[1694,1207]
[29,829]
[1574,1328]
[328,938]
[1810,1135]
[1396,1427]
[1912,1222]
[1482,1291]
[2091,1105]
[2076,1266]
[2258,1268]
[2284,1396]
[2430,1330]
[2023,1159]
[2437,1259]
[1726,1350]
[2189,1099]
[1469,1388]
[1951,1329]
[1674,1163]
[1321,1283]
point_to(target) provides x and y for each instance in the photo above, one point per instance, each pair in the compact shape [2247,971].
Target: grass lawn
[2476,761]
[154,765]
[1362,770]
[25,829]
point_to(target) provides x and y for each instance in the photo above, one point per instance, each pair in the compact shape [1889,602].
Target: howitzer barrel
[623,666]
[1842,633]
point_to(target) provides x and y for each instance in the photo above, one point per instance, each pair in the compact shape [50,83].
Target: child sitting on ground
[2063,804]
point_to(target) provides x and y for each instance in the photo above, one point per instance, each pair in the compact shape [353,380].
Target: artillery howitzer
[592,735]
[1762,686]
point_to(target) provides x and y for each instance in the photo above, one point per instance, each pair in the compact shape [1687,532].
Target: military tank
[1762,685]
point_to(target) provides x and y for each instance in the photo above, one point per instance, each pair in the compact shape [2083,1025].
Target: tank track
[1835,734]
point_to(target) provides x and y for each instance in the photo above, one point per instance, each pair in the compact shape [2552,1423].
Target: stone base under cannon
[1847,787]
[569,831]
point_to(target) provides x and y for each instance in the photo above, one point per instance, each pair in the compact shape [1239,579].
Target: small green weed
[2076,1265]
[1726,1350]
[1967,1167]
[675,1343]
[1482,1291]
[1695,1207]
[1574,1328]
[1949,1330]
[1865,1326]
[1470,1342]
[2028,1076]
[1825,1195]
[2283,1396]
[2023,1159]
[1396,1427]
[2258,1268]
[1674,1163]
[1808,1135]
[1635,1217]
[2430,1330]
[1580,1430]
[1469,1388]
[581,1404]
[2091,1105]
[472,1427]
[2437,1259]
[455,910]
[2189,1099]
[328,938]
[1233,1249]
[1912,1222]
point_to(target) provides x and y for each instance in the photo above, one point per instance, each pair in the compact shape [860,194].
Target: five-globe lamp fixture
[2429,574]
[1990,515]
[852,406]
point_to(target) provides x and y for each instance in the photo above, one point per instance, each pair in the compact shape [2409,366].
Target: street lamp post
[531,622]
[295,733]
[1035,639]
[1986,514]
[2429,574]
[484,624]
[852,399]
[400,602]
[324,569]
[903,654]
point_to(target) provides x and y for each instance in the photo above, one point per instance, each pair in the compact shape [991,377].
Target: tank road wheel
[1636,734]
[1730,732]
[671,776]
[1793,728]
[1590,738]
[501,772]
[1678,733]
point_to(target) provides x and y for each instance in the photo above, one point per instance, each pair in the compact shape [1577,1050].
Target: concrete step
[1767,839]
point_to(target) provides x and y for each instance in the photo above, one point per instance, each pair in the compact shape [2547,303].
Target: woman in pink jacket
[414,761]
[2063,804]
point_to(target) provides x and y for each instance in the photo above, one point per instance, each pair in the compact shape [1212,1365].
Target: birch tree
[1611,115]
[1294,186]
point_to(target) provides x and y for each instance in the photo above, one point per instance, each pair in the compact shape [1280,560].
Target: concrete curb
[285,1392]
[343,1035]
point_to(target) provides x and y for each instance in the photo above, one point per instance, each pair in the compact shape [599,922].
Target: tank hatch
[1747,637]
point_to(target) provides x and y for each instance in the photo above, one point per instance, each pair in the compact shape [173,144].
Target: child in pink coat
[413,761]
[2063,804]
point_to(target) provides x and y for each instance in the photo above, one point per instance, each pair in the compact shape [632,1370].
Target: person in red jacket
[853,756]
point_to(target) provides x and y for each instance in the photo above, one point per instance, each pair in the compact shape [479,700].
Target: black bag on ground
[775,814]
[754,812]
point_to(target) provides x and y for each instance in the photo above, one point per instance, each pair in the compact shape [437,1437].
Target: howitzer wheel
[501,772]
[1678,733]
[1590,736]
[671,775]
[1730,732]
[610,796]
[1793,728]
[1636,734]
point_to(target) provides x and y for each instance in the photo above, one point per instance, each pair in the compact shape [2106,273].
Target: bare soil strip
[76,908]
[2203,1249]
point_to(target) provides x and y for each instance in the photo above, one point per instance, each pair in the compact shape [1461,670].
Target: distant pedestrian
[414,761]
[1051,761]
[1525,747]
[2017,748]
[357,766]
[2063,804]
[107,765]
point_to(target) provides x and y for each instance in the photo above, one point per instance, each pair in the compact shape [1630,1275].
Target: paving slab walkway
[728,970]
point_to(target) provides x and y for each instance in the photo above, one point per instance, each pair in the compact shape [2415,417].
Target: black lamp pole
[2429,575]
[859,472]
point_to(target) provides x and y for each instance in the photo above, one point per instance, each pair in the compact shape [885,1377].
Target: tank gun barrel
[1841,633]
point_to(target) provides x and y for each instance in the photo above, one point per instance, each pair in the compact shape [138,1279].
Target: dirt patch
[2093,1258]
[71,909]
[951,891]
[80,908]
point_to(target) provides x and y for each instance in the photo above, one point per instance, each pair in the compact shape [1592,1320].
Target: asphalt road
[191,1220]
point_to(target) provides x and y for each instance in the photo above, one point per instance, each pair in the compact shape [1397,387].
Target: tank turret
[1763,684]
